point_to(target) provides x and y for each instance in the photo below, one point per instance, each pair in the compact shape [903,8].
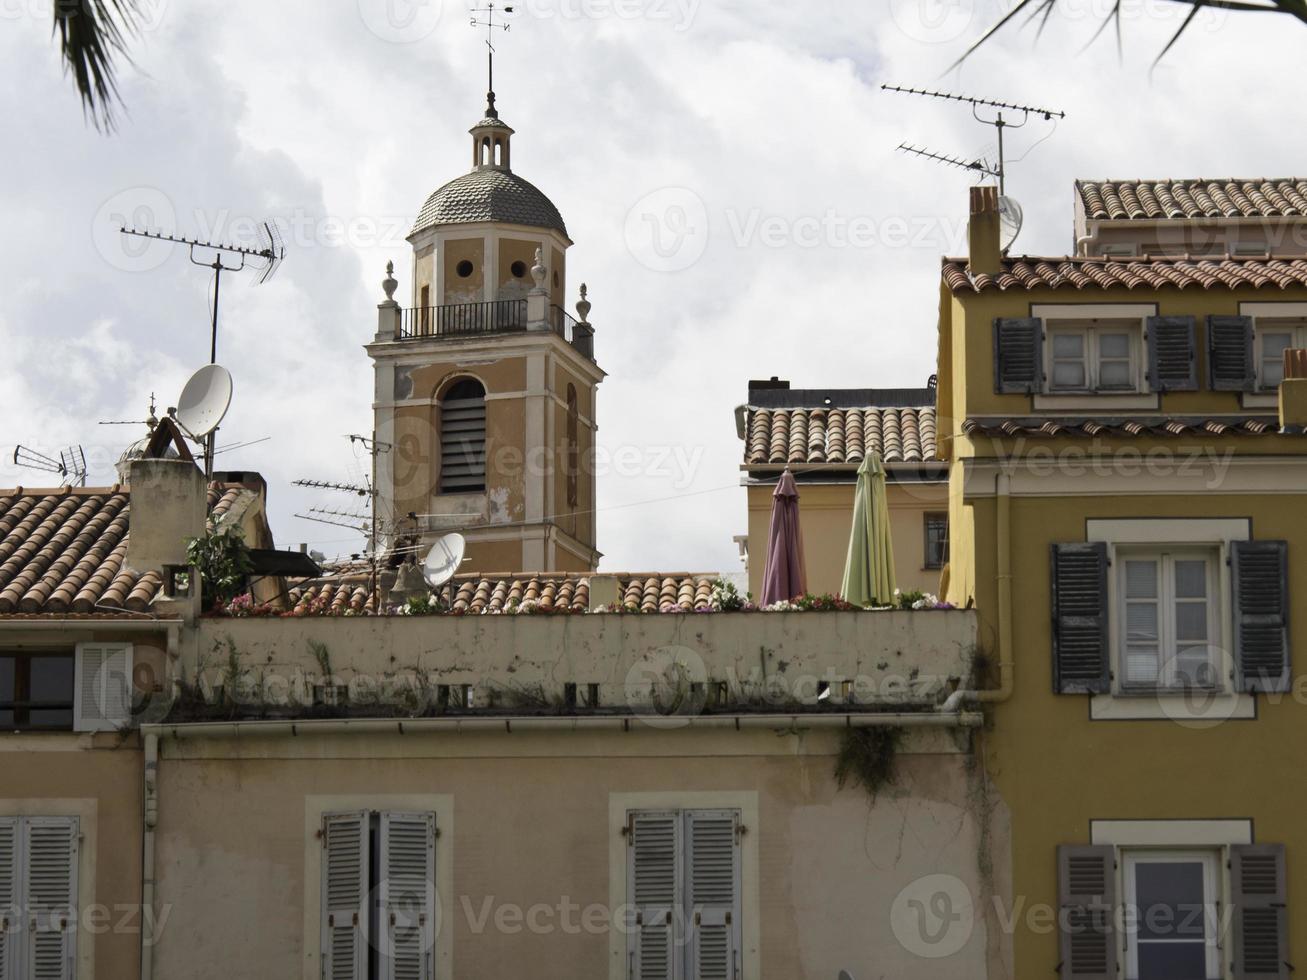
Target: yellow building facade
[1127,484]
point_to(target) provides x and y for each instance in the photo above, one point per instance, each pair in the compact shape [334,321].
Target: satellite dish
[204,401]
[1009,219]
[443,559]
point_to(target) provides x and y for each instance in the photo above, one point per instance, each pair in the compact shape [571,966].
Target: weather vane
[485,17]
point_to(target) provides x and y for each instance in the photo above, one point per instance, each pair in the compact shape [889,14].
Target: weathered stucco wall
[531,825]
[775,659]
[96,778]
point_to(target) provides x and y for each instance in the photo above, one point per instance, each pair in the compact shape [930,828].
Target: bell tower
[485,385]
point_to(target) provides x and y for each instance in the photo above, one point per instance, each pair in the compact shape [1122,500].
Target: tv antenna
[71,464]
[353,519]
[485,17]
[999,170]
[211,255]
[977,166]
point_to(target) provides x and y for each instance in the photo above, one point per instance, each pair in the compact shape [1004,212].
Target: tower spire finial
[487,20]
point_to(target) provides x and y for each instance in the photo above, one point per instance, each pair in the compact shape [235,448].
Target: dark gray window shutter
[1086,898]
[1261,935]
[1172,358]
[1081,661]
[1230,353]
[1261,614]
[1086,885]
[1018,355]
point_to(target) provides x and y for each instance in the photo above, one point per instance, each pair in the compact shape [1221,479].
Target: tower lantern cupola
[490,140]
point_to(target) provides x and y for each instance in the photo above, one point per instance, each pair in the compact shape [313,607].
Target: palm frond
[1042,9]
[93,37]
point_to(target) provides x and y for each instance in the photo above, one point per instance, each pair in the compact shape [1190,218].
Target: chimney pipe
[984,232]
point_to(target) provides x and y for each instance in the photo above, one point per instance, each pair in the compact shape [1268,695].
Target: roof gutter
[527,724]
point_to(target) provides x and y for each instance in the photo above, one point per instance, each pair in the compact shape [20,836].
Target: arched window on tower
[485,150]
[463,438]
[573,449]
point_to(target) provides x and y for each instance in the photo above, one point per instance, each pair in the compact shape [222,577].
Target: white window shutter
[713,894]
[653,887]
[408,895]
[102,693]
[50,897]
[9,913]
[344,944]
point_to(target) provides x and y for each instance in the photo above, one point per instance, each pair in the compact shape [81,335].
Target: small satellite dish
[443,559]
[1009,218]
[204,401]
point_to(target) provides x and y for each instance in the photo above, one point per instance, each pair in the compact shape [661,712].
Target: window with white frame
[378,895]
[1094,355]
[1171,915]
[1169,899]
[683,889]
[85,689]
[1272,336]
[38,897]
[1168,616]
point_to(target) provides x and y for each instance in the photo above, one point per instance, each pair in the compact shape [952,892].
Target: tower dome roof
[489,195]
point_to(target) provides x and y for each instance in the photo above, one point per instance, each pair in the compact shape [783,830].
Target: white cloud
[771,114]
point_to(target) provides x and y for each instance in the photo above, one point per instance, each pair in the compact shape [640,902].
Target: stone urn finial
[389,284]
[583,307]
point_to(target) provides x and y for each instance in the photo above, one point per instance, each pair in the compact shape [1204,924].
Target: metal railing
[562,322]
[463,319]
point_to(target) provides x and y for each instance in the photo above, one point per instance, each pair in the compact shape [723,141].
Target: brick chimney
[1293,391]
[984,232]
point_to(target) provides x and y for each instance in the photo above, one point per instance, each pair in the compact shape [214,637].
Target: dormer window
[1098,355]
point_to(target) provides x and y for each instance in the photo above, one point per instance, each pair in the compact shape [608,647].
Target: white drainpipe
[147,854]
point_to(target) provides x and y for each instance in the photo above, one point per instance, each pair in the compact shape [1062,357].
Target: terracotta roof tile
[1110,427]
[1151,272]
[820,435]
[1152,200]
[64,551]
[491,594]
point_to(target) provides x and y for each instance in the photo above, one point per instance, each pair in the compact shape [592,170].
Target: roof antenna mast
[211,254]
[485,17]
[998,171]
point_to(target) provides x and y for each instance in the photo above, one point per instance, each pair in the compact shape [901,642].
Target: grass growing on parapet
[867,757]
[323,656]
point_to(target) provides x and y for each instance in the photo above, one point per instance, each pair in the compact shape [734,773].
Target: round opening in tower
[518,269]
[464,269]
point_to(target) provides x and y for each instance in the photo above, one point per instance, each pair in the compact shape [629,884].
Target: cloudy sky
[727,169]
